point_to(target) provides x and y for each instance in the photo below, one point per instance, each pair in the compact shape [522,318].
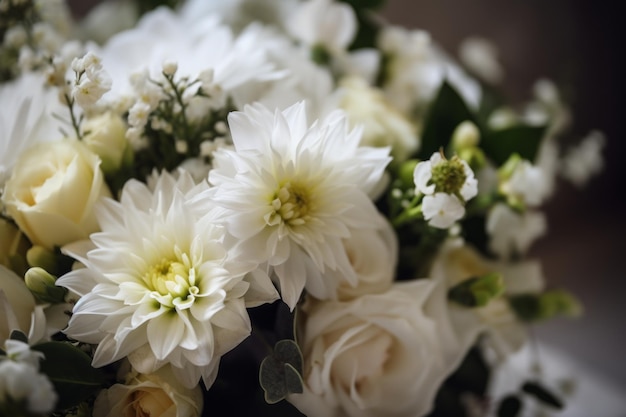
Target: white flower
[443,183]
[105,135]
[585,160]
[526,183]
[373,254]
[382,124]
[442,210]
[380,354]
[160,285]
[292,192]
[325,23]
[481,57]
[511,232]
[153,395]
[52,192]
[417,68]
[426,184]
[19,351]
[26,118]
[22,382]
[162,35]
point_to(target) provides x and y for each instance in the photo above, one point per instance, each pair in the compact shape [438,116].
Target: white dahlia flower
[293,191]
[160,285]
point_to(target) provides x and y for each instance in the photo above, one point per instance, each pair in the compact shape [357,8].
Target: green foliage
[280,372]
[70,371]
[542,394]
[446,112]
[477,291]
[523,140]
[536,307]
[510,406]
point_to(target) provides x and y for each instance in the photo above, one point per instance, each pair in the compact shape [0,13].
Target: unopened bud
[42,285]
[465,135]
[38,256]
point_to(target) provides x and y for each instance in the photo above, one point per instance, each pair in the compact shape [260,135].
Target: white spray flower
[512,232]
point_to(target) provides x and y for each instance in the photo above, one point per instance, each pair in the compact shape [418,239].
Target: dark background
[579,45]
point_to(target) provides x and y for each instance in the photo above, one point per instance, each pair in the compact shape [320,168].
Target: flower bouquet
[275,207]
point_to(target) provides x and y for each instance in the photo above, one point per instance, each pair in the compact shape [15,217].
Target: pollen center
[290,205]
[172,282]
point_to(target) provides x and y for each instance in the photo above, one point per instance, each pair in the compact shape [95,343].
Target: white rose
[383,125]
[155,395]
[373,255]
[378,355]
[52,192]
[105,135]
[16,304]
[506,334]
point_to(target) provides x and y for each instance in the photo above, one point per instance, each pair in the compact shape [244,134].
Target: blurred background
[579,45]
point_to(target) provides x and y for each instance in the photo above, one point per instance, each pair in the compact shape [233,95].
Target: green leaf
[477,291]
[18,335]
[524,140]
[280,372]
[526,306]
[542,394]
[70,371]
[510,406]
[365,4]
[445,113]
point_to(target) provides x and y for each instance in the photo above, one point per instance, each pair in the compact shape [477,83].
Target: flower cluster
[263,207]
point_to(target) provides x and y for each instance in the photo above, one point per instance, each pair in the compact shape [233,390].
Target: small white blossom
[481,57]
[426,184]
[584,161]
[511,232]
[170,68]
[526,183]
[442,210]
[22,382]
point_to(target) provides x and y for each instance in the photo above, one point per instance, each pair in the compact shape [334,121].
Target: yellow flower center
[173,283]
[291,206]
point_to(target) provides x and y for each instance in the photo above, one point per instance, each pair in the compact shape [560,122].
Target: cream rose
[105,135]
[52,192]
[506,334]
[16,304]
[373,254]
[383,125]
[155,395]
[378,355]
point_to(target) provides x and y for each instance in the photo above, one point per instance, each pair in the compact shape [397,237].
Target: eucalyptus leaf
[280,372]
[446,112]
[542,394]
[70,371]
[524,140]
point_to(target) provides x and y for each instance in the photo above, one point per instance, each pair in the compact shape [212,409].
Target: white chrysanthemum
[163,35]
[160,285]
[293,192]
